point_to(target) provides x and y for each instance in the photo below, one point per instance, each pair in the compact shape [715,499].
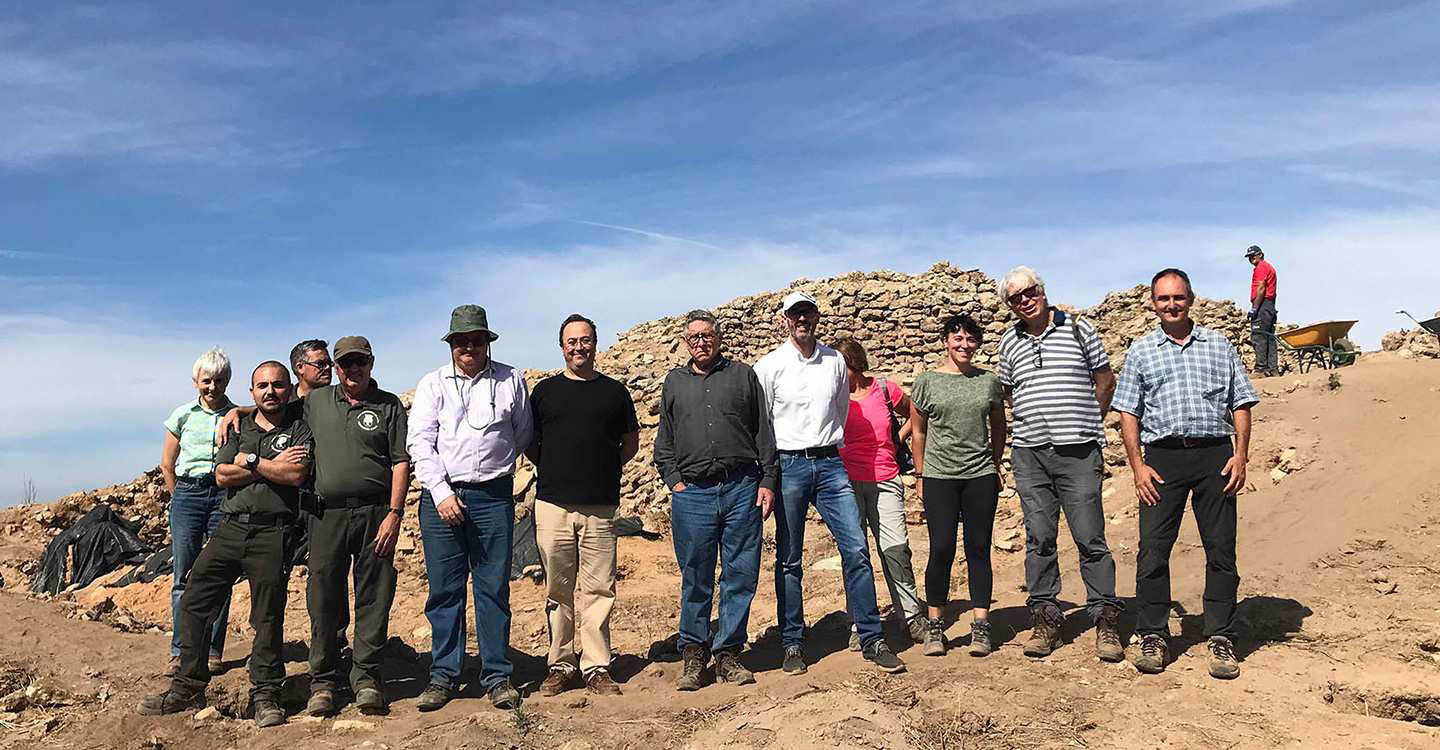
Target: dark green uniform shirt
[355,446]
[264,496]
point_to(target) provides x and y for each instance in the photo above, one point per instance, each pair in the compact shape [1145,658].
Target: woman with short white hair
[188,464]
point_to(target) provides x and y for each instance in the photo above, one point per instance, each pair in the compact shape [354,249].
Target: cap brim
[493,335]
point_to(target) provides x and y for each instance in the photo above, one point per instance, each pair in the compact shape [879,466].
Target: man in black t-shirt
[262,469]
[585,431]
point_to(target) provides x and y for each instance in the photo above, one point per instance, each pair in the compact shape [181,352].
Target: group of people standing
[806,425]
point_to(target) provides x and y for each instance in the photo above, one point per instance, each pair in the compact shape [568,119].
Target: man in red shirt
[1262,312]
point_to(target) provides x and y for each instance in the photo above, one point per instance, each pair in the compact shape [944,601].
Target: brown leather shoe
[558,681]
[600,682]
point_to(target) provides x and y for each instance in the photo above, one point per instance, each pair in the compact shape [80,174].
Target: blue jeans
[480,548]
[194,515]
[704,518]
[822,481]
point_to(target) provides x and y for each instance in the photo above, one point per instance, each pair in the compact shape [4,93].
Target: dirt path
[1341,641]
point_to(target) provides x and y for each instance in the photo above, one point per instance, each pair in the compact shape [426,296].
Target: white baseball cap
[794,298]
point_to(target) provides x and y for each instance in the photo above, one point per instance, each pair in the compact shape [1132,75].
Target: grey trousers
[882,512]
[1262,336]
[1049,479]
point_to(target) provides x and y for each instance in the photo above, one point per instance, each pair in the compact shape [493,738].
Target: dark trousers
[1050,479]
[1262,336]
[1192,473]
[252,550]
[479,550]
[341,540]
[949,505]
[710,518]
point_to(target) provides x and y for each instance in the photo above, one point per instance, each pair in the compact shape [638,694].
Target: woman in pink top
[869,457]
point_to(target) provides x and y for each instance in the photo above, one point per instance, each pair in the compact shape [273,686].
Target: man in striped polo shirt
[1059,381]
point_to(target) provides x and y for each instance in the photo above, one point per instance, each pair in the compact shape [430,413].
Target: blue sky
[174,176]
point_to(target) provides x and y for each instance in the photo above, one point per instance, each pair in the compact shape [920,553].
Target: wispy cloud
[648,233]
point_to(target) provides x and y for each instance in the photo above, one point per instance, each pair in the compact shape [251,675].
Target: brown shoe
[1108,645]
[729,669]
[695,658]
[558,681]
[599,682]
[216,665]
[1045,633]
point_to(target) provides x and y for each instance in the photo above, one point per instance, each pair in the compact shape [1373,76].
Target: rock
[351,725]
[207,713]
[578,701]
[828,563]
[1277,473]
[1388,587]
[1007,546]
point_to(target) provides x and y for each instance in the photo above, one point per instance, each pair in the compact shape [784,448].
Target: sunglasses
[347,363]
[1029,292]
[323,364]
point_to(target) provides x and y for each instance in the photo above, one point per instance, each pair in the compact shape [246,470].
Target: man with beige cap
[362,472]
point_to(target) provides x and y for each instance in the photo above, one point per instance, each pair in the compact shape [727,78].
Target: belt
[1185,442]
[827,451]
[202,479]
[262,519]
[352,502]
[476,485]
[724,476]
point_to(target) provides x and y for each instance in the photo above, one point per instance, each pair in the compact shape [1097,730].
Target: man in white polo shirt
[807,387]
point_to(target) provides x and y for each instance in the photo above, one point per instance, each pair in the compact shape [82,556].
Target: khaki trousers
[577,550]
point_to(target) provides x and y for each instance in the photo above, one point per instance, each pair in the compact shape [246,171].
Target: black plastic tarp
[161,563]
[98,543]
[524,551]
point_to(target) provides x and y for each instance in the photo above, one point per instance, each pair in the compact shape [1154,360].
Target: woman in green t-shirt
[958,437]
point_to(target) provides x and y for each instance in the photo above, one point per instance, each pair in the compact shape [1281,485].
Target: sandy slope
[1330,649]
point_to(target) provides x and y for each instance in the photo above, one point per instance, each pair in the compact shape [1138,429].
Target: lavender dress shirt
[468,429]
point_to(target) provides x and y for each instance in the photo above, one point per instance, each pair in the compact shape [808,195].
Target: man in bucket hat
[469,421]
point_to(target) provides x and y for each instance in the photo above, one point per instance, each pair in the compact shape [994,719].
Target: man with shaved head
[262,470]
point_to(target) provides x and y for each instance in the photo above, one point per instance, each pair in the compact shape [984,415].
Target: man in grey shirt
[715,448]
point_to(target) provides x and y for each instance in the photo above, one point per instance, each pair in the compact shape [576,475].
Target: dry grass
[884,688]
[970,730]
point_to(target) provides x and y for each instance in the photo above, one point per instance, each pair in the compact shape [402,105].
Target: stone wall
[895,315]
[1413,342]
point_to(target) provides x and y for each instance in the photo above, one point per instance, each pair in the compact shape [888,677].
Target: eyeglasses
[697,338]
[582,341]
[468,342]
[803,312]
[347,363]
[1031,292]
[323,364]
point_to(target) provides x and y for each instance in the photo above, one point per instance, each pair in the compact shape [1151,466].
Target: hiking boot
[371,702]
[935,638]
[504,696]
[1153,653]
[854,644]
[173,668]
[1108,645]
[694,657]
[558,681]
[600,682]
[1223,665]
[216,664]
[980,644]
[321,703]
[1045,633]
[729,669]
[918,626]
[434,697]
[794,661]
[171,702]
[268,713]
[881,656]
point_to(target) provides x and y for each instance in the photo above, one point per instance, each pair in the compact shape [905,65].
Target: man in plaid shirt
[1185,395]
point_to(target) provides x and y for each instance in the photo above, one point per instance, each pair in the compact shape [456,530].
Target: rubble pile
[1413,342]
[143,501]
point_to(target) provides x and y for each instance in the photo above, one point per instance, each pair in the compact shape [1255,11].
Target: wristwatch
[251,460]
[399,512]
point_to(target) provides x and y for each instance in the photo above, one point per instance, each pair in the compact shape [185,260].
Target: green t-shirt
[355,446]
[957,409]
[195,427]
[264,496]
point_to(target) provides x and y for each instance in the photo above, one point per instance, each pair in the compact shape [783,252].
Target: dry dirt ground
[1341,644]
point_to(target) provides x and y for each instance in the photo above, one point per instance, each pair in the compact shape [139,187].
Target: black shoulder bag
[903,458]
